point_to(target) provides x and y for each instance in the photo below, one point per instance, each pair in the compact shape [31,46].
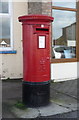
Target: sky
[64,4]
[4,21]
[4,27]
[3,7]
[62,18]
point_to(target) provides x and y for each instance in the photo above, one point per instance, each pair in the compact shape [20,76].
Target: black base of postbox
[36,94]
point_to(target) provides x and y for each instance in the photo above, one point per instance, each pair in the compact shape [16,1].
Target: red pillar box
[36,59]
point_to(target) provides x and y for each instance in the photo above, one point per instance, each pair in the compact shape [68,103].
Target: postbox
[36,31]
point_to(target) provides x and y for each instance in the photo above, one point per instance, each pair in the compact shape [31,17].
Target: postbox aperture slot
[41,41]
[44,30]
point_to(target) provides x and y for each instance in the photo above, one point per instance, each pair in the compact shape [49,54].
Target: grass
[20,105]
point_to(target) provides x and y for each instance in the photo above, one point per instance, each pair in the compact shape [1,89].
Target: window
[64,3]
[64,30]
[6,26]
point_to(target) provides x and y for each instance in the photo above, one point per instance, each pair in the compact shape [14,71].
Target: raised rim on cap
[35,17]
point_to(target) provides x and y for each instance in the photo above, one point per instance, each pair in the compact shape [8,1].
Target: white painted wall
[64,71]
[11,64]
[78,70]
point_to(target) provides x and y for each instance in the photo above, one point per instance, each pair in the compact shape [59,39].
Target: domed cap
[35,17]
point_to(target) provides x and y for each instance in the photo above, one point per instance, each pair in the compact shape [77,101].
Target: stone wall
[40,7]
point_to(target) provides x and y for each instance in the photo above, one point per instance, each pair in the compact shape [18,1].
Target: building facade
[11,59]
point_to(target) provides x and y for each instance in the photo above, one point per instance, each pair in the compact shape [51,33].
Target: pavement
[63,101]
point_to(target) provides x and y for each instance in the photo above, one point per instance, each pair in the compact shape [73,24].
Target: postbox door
[41,55]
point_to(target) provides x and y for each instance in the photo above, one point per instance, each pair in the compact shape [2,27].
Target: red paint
[36,61]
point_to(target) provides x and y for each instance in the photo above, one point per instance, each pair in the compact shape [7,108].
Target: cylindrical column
[36,59]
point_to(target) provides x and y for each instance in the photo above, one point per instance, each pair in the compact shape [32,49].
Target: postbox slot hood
[35,17]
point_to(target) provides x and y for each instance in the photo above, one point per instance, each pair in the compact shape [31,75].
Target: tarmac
[63,101]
